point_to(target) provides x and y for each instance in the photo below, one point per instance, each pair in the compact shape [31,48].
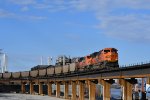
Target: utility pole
[41,60]
[1,69]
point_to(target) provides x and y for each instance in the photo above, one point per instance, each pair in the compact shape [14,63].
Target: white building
[3,62]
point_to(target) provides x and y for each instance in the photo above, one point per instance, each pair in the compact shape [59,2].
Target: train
[106,58]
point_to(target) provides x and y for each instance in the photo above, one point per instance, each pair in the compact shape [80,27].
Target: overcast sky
[30,29]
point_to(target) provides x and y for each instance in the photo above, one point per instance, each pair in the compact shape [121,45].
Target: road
[13,96]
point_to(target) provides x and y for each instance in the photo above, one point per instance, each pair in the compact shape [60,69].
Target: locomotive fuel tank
[25,74]
[16,74]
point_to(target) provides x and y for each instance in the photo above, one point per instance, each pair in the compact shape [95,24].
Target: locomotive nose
[110,57]
[113,57]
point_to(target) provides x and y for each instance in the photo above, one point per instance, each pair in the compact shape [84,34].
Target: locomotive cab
[109,56]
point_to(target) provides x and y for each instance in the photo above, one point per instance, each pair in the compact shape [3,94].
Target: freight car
[50,71]
[7,75]
[16,75]
[1,75]
[103,59]
[25,74]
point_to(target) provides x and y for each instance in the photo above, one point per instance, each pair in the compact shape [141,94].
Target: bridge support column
[66,90]
[73,90]
[81,90]
[49,86]
[144,89]
[31,88]
[148,80]
[92,90]
[22,87]
[40,88]
[127,89]
[106,88]
[57,89]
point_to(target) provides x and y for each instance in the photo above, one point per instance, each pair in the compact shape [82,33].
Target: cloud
[7,14]
[33,17]
[128,27]
[22,2]
[4,13]
[25,8]
[123,19]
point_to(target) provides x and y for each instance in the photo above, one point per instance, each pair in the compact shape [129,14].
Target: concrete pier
[31,88]
[92,90]
[66,90]
[81,90]
[148,80]
[73,83]
[49,86]
[127,89]
[22,87]
[57,89]
[40,88]
[106,89]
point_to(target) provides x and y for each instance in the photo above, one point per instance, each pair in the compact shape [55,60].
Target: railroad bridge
[126,77]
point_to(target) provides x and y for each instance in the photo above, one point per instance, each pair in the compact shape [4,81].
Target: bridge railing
[135,64]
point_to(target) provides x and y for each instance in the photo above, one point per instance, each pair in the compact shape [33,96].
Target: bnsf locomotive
[104,59]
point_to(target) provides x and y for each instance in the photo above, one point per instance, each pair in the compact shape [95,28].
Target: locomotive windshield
[114,50]
[106,51]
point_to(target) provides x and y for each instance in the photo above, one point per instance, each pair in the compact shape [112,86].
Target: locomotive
[103,59]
